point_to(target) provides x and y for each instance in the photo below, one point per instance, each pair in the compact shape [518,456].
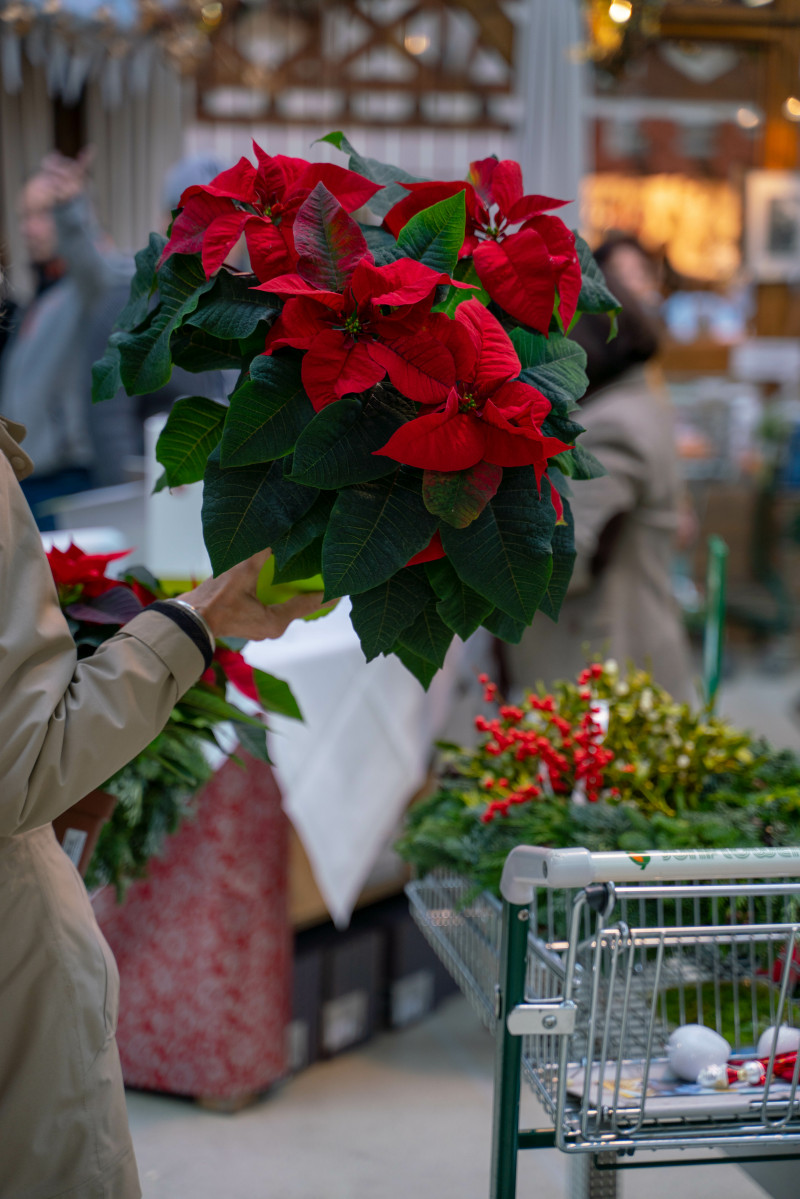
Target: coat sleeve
[77,233]
[596,502]
[67,726]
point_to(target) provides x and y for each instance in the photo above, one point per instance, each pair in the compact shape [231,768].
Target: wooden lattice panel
[372,62]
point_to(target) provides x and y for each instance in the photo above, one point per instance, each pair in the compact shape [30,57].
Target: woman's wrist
[198,616]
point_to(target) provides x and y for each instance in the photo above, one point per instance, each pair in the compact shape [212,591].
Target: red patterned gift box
[204,947]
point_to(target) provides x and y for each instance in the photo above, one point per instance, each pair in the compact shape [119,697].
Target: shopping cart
[585,967]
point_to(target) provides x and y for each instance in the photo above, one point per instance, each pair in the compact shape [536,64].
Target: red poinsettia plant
[403,420]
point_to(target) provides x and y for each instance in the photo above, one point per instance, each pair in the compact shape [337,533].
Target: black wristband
[187,623]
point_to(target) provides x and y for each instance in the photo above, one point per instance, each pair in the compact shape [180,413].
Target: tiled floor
[409,1115]
[406,1117]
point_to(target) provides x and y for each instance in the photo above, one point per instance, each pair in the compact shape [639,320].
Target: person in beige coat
[620,602]
[65,727]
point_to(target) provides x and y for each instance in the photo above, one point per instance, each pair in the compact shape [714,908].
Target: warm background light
[791,108]
[747,119]
[416,43]
[620,10]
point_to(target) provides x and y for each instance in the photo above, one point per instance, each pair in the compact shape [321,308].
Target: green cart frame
[582,971]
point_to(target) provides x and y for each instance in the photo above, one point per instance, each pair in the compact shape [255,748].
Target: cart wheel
[585,1181]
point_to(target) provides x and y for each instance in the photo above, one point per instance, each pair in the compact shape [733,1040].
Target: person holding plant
[65,727]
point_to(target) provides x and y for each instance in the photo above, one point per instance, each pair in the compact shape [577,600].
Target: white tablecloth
[349,770]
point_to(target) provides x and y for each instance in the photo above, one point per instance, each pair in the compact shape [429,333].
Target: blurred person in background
[43,382]
[620,601]
[116,426]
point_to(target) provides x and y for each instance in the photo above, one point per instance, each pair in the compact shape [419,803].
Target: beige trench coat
[628,611]
[65,727]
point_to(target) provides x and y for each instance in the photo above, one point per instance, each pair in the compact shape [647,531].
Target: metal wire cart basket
[587,965]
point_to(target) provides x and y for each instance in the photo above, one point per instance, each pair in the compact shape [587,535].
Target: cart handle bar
[529,866]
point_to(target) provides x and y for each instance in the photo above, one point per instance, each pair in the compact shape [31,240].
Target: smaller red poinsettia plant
[97,606]
[157,789]
[402,422]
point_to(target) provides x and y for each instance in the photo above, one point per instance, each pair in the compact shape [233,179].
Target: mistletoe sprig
[608,761]
[403,420]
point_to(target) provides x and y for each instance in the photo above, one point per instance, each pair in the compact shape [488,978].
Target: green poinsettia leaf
[196,350]
[143,284]
[208,704]
[140,574]
[579,463]
[505,627]
[374,529]
[380,615]
[253,741]
[459,496]
[305,564]
[337,448]
[428,636]
[558,480]
[465,273]
[194,427]
[106,377]
[310,526]
[595,295]
[585,464]
[328,241]
[379,172]
[379,240]
[276,695]
[247,508]
[232,309]
[422,670]
[505,553]
[435,235]
[268,412]
[563,562]
[146,363]
[554,365]
[460,607]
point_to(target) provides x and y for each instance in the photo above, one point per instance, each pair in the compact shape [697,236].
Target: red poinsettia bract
[374,324]
[73,568]
[488,415]
[261,203]
[235,669]
[522,255]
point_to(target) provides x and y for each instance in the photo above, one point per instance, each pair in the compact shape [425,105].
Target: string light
[620,11]
[416,43]
[791,108]
[747,119]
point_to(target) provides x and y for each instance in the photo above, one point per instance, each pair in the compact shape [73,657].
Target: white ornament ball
[788,1041]
[693,1047]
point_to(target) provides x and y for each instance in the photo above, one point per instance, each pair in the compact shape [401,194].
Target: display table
[203,946]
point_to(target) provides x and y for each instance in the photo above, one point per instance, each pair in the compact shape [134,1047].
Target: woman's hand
[65,177]
[231,608]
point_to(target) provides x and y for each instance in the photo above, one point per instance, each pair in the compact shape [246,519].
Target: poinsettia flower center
[467,402]
[352,324]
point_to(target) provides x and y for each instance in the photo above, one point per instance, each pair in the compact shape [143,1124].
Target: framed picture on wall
[772,225]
